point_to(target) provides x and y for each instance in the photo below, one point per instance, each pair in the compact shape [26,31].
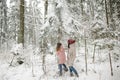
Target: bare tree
[85,53]
[81,2]
[106,9]
[3,22]
[111,68]
[21,29]
[58,13]
[44,44]
[94,53]
[46,10]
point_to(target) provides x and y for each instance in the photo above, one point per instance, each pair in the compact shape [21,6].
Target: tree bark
[112,24]
[85,52]
[34,26]
[111,64]
[3,22]
[92,9]
[43,48]
[106,9]
[1,25]
[21,29]
[94,53]
[58,13]
[59,34]
[118,8]
[5,16]
[44,43]
[81,3]
[46,10]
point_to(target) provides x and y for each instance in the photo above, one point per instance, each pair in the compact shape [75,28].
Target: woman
[71,56]
[61,57]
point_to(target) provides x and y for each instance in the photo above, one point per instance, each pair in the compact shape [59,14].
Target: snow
[17,48]
[31,69]
[99,70]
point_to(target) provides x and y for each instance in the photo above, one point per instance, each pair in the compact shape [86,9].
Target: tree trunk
[44,44]
[5,16]
[85,52]
[94,53]
[33,74]
[81,3]
[46,10]
[112,24]
[111,64]
[21,29]
[43,62]
[3,22]
[12,60]
[118,8]
[58,13]
[110,6]
[34,27]
[43,48]
[59,34]
[1,26]
[106,9]
[92,9]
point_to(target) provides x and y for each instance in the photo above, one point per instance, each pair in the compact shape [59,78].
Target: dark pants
[60,67]
[72,69]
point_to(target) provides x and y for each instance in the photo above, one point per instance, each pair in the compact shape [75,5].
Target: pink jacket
[61,56]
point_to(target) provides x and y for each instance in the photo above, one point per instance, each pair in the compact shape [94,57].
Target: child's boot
[66,69]
[71,74]
[77,75]
[60,74]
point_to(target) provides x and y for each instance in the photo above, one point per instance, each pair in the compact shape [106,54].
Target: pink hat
[71,41]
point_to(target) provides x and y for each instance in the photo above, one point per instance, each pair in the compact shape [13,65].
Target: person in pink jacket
[61,58]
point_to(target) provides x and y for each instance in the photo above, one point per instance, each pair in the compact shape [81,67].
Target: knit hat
[71,41]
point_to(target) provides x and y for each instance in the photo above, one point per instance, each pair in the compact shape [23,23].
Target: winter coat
[61,56]
[71,54]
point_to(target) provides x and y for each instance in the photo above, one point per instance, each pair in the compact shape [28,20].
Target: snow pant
[72,69]
[60,67]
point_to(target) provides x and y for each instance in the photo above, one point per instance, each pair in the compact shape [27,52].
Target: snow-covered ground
[100,70]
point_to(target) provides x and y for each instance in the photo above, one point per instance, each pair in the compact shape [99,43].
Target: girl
[61,58]
[71,56]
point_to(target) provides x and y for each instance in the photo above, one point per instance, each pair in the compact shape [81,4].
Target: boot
[71,74]
[66,69]
[77,75]
[60,74]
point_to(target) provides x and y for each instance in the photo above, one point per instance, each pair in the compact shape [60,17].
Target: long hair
[68,45]
[58,46]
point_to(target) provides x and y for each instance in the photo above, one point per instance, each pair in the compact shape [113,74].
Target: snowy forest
[31,29]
